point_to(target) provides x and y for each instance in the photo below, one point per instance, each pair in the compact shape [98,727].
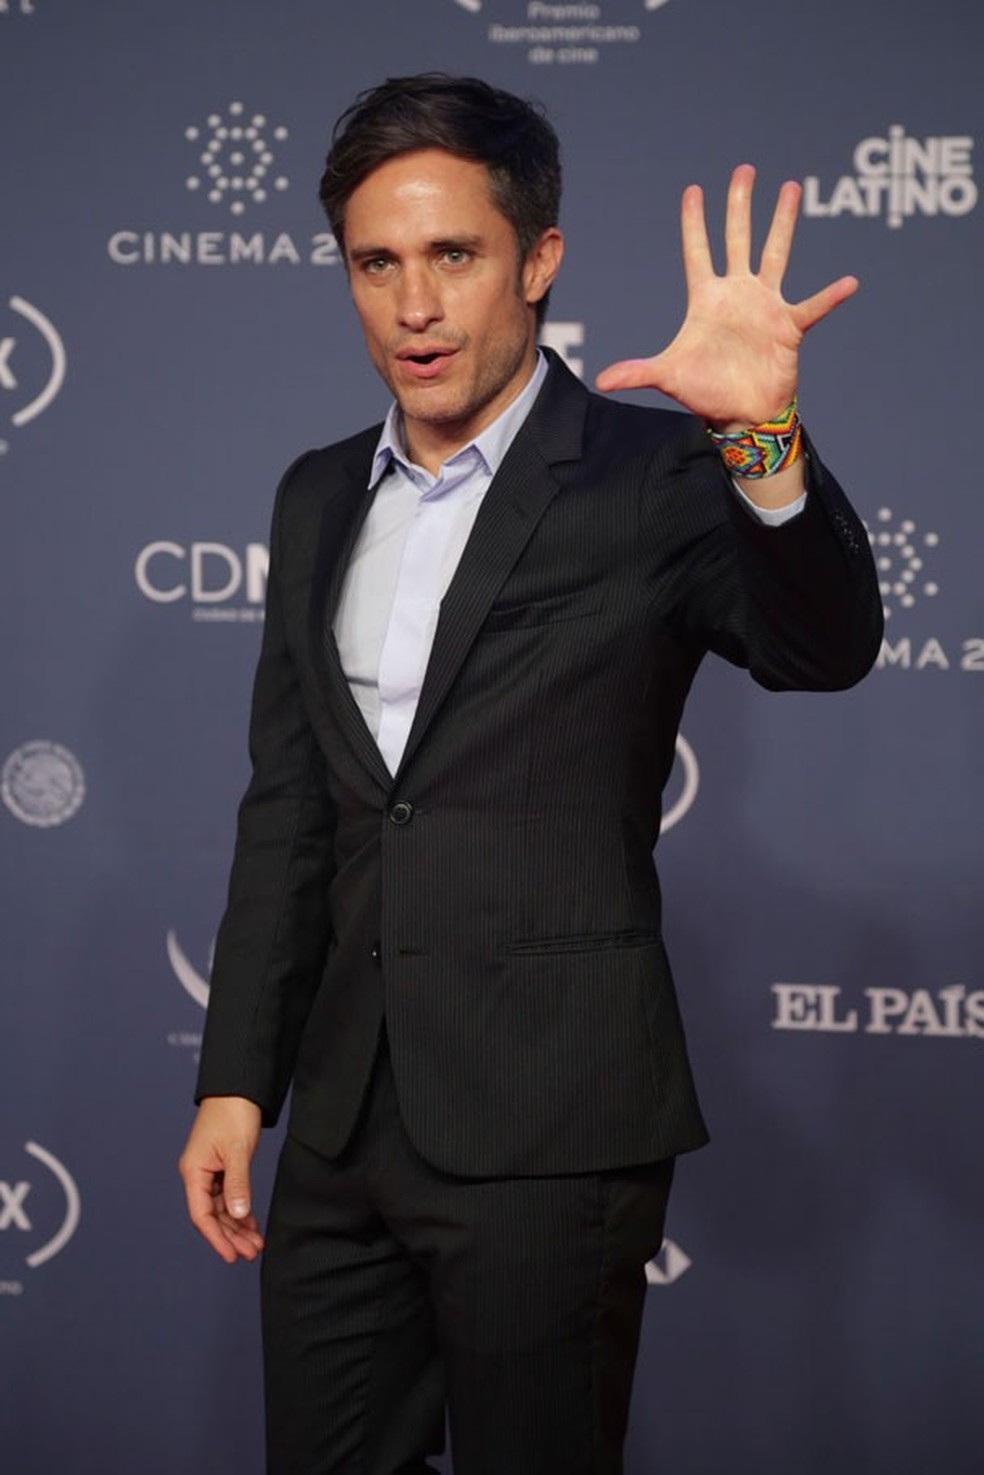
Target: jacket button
[376,954]
[401,812]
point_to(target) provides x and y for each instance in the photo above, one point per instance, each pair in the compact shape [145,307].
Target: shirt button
[376,954]
[401,812]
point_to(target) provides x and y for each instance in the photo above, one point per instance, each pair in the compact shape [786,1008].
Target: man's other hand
[215,1169]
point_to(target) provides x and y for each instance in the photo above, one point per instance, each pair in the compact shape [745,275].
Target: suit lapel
[520,493]
[341,521]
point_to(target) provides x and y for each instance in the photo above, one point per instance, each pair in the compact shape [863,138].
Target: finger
[249,1227]
[698,264]
[812,309]
[244,1235]
[230,1238]
[779,241]
[235,1182]
[200,1196]
[738,220]
[631,374]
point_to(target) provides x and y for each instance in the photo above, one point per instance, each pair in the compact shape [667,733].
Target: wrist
[774,493]
[752,452]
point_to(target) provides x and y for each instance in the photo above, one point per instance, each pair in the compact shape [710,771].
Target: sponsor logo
[897,177]
[954,1013]
[32,364]
[42,784]
[900,551]
[217,583]
[904,557]
[668,1266]
[553,34]
[17,7]
[46,1214]
[238,162]
[237,169]
[927,653]
[685,779]
[195,985]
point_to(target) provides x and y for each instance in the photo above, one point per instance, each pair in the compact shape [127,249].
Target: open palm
[735,359]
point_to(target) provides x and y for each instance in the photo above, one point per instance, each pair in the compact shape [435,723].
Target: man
[444,922]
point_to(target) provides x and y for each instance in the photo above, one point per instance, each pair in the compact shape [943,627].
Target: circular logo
[42,784]
[31,1214]
[9,376]
[687,760]
[188,976]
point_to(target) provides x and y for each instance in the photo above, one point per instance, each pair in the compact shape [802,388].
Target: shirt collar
[491,444]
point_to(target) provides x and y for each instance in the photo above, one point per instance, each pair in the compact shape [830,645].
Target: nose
[419,299]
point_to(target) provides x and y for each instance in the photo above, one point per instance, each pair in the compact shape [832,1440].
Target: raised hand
[735,359]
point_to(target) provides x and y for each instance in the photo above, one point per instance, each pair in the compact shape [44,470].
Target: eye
[375,266]
[456,255]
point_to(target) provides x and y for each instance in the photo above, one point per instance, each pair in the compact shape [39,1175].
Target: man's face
[446,306]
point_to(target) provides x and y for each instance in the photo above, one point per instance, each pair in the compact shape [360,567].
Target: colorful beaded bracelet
[762,450]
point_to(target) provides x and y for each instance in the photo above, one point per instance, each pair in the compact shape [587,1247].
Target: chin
[433,410]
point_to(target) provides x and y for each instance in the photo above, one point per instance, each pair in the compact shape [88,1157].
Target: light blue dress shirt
[403,561]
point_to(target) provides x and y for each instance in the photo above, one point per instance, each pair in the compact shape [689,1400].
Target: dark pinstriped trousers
[391,1289]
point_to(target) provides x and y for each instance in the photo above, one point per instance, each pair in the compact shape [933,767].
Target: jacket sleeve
[274,935]
[798,604]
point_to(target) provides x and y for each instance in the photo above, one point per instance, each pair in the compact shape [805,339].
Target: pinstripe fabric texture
[497,899]
[389,1286]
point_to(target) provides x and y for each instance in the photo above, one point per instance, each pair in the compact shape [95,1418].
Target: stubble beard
[467,401]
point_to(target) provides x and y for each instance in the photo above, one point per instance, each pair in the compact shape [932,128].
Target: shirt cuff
[773,517]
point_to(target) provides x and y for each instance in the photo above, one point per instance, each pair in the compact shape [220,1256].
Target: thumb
[630,374]
[235,1182]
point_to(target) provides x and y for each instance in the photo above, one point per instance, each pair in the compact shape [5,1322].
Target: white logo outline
[691,784]
[666,1267]
[73,1206]
[35,792]
[197,987]
[56,378]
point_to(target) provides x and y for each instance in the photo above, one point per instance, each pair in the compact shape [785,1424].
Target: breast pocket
[542,611]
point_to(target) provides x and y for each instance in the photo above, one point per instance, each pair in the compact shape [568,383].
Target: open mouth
[428,363]
[425,355]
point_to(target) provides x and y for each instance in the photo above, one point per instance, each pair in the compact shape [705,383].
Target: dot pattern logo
[238,158]
[900,551]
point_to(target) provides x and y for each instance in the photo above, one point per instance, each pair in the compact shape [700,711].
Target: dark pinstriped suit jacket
[497,900]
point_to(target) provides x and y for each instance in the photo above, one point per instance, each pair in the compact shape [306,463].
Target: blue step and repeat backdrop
[174,327]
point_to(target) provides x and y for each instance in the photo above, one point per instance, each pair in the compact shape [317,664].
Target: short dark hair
[463,116]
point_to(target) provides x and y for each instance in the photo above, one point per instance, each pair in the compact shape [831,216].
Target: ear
[542,265]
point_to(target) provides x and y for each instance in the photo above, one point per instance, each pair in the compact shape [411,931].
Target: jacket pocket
[586,942]
[542,611]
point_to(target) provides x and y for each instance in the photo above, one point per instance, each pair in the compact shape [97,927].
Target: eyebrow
[457,243]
